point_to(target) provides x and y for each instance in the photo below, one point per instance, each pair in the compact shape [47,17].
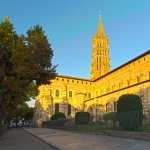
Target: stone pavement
[18,139]
[66,140]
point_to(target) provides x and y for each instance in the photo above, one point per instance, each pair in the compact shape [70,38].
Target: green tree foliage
[130,111]
[25,63]
[24,111]
[82,118]
[7,42]
[35,57]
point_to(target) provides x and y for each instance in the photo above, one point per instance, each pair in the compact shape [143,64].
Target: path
[18,139]
[66,140]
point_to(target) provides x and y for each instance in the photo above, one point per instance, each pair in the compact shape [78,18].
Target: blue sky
[70,25]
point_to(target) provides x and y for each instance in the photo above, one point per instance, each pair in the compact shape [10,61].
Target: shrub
[57,123]
[110,116]
[54,123]
[130,112]
[82,118]
[57,120]
[58,115]
[45,124]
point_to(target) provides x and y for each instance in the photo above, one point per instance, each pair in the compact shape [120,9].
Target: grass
[146,127]
[99,128]
[92,127]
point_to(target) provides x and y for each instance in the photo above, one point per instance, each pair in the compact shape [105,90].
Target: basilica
[100,92]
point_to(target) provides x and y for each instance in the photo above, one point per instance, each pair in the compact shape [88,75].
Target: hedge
[57,120]
[110,116]
[130,112]
[82,118]
[58,115]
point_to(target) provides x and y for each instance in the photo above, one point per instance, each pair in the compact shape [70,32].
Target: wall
[132,77]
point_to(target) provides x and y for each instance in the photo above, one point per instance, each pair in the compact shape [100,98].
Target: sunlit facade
[100,93]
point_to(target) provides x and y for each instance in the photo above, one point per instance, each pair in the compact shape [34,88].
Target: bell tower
[100,53]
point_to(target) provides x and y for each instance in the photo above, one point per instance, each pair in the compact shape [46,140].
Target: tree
[7,41]
[34,61]
[24,111]
[26,62]
[130,111]
[40,55]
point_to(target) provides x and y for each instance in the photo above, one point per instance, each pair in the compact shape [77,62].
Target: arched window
[56,107]
[89,95]
[69,109]
[109,107]
[138,79]
[57,93]
[70,93]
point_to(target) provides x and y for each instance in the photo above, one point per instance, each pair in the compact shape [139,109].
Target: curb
[143,138]
[51,145]
[118,135]
[133,137]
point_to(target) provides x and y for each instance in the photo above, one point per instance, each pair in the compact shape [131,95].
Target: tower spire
[100,53]
[100,30]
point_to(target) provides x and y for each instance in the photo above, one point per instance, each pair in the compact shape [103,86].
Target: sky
[71,24]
